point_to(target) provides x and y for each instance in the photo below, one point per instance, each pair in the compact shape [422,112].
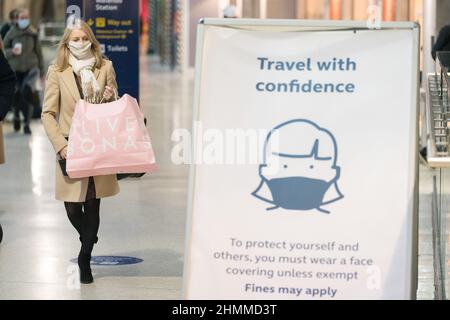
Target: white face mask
[23,23]
[80,50]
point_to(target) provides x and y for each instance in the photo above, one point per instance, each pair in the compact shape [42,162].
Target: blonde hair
[62,58]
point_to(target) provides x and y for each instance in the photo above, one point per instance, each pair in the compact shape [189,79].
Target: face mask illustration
[300,169]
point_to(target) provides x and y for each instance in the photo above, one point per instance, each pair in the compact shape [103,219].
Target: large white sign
[326,208]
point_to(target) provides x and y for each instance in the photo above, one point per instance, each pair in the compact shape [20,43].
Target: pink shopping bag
[109,138]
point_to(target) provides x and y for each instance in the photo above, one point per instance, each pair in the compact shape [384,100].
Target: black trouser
[22,99]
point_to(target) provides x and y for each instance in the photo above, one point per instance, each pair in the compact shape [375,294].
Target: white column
[222,5]
[263,9]
[239,8]
[429,30]
[200,9]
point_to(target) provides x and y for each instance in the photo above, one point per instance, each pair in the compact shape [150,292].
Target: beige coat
[61,95]
[2,147]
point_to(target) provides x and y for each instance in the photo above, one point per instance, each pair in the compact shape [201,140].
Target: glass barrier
[438,158]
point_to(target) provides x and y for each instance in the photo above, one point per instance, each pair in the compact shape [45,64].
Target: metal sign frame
[277,25]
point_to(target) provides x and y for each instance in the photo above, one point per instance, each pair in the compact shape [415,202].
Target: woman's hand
[63,153]
[109,92]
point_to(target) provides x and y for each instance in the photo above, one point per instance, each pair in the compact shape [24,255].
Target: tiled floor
[426,269]
[147,219]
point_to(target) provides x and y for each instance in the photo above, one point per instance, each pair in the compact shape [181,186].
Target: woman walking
[79,72]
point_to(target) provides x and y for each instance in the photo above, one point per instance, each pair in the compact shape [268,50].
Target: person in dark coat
[24,53]
[7,86]
[7,90]
[7,26]
[442,42]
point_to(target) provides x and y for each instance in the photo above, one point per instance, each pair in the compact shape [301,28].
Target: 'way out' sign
[304,180]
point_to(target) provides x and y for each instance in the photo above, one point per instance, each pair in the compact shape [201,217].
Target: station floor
[146,220]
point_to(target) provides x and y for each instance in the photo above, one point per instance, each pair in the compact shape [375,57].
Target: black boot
[84,263]
[89,228]
[16,125]
[27,130]
[96,239]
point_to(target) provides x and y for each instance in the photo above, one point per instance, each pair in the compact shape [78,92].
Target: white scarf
[82,62]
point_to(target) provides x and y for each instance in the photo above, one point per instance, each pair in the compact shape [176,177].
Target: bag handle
[116,96]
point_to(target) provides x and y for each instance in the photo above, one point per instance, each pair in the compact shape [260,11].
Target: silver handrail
[437,110]
[57,27]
